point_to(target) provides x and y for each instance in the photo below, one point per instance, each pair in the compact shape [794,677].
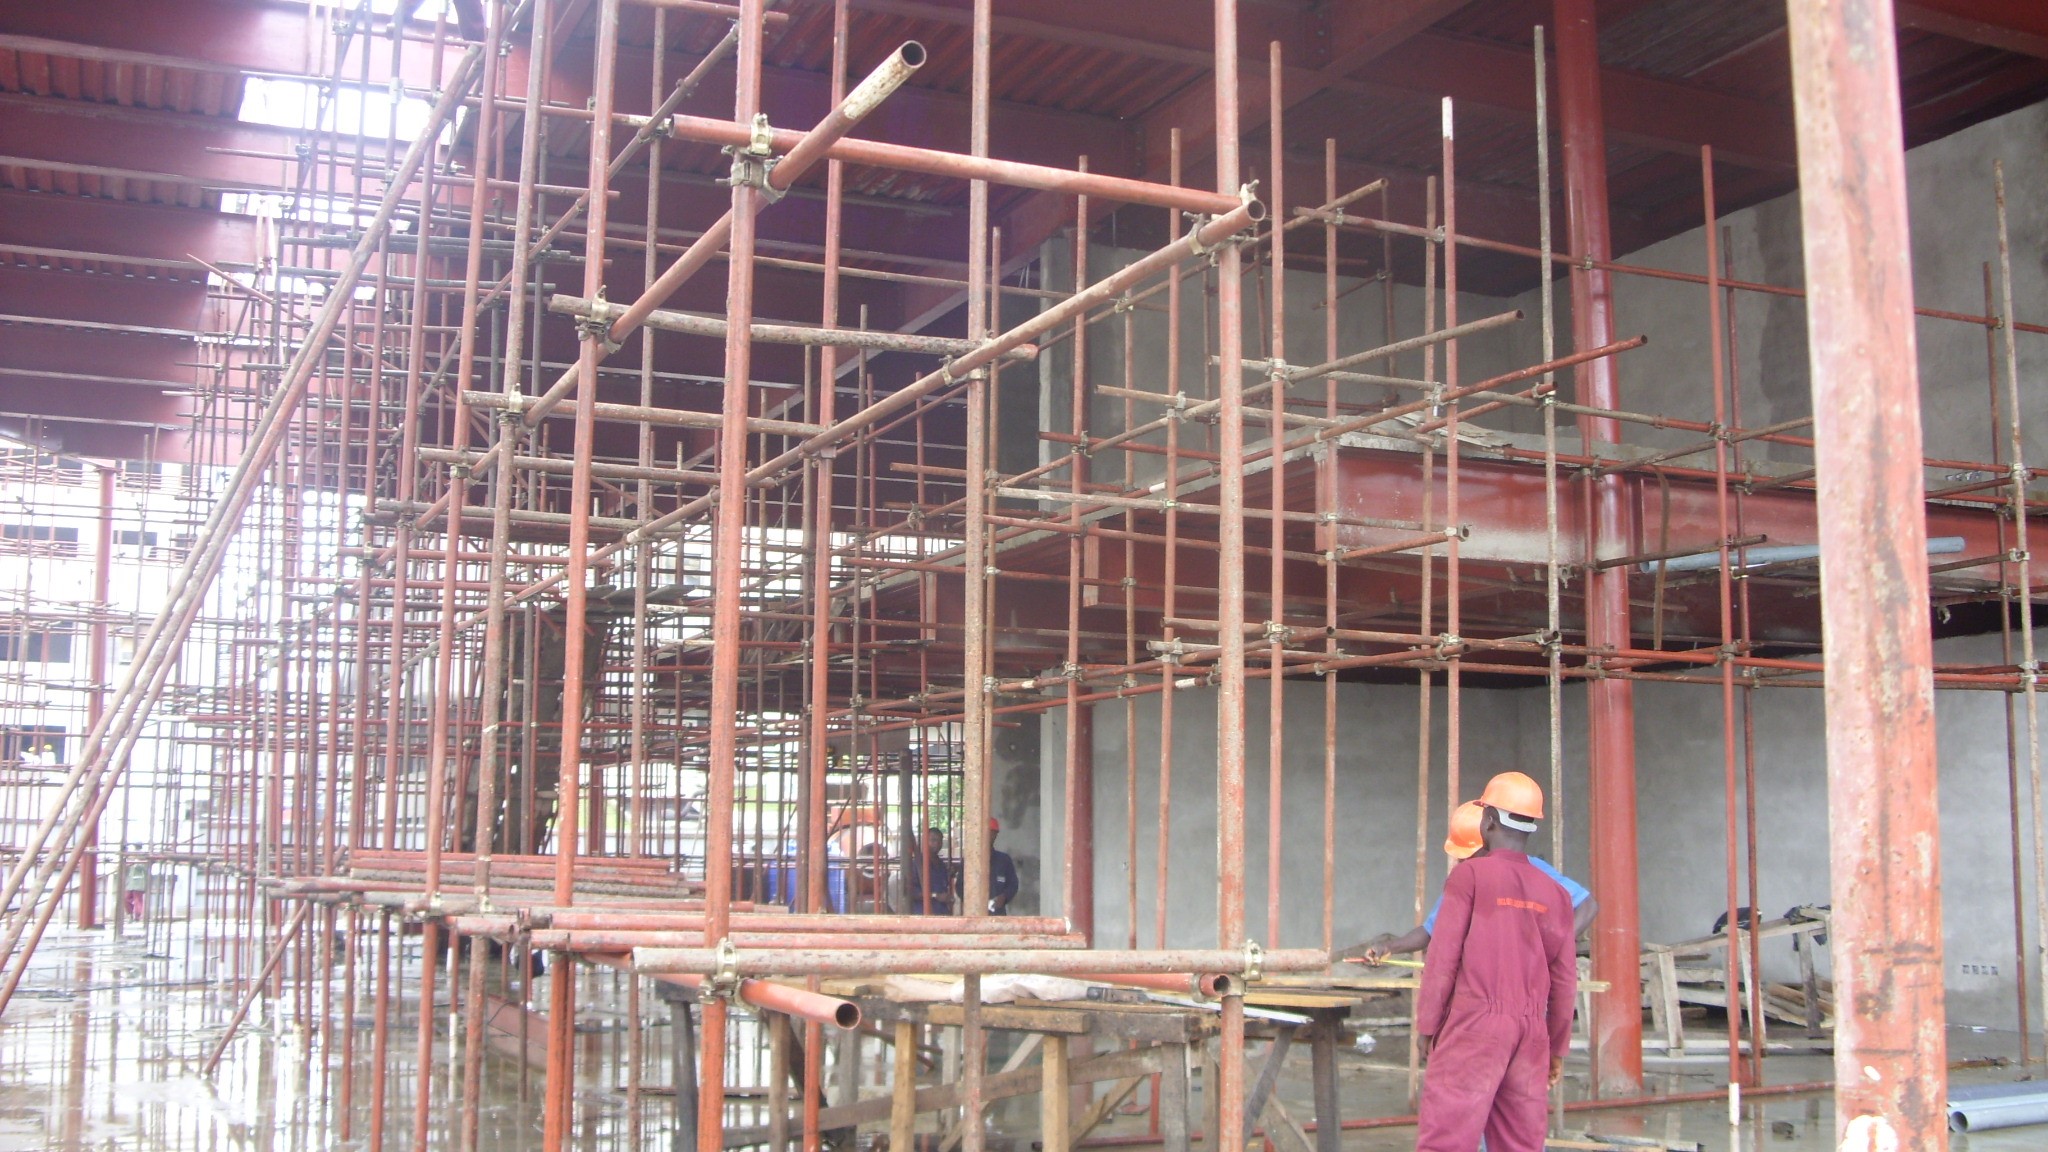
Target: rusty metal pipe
[1884,834]
[984,962]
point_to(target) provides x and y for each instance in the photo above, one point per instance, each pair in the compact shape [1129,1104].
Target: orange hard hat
[1464,839]
[995,825]
[1514,793]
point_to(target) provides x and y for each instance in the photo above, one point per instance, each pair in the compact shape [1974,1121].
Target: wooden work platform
[1055,1046]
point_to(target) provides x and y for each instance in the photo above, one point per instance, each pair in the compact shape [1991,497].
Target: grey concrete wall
[1361,325]
[1014,800]
[1376,793]
[1682,806]
[1954,234]
[1679,752]
[1682,813]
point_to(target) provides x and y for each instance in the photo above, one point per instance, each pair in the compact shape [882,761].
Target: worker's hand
[1378,949]
[1556,1070]
[1423,1044]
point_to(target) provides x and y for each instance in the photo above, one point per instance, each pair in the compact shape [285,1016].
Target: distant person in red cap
[1495,1010]
[1002,875]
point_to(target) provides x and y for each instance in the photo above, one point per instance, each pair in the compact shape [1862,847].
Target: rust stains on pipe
[1883,831]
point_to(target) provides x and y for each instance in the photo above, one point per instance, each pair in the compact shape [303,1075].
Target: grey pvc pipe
[1985,1106]
[1702,561]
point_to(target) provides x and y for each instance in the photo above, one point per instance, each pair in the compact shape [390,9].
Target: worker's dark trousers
[1489,1072]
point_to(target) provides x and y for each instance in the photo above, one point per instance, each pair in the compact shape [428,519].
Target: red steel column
[1883,831]
[1610,704]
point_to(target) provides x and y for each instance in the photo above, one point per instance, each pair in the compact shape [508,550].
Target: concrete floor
[101,1051]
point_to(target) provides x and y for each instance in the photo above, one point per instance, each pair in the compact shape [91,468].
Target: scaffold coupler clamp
[1254,962]
[725,981]
[597,325]
[752,164]
[1276,632]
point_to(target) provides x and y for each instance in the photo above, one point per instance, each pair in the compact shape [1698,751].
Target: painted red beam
[2012,25]
[118,232]
[73,400]
[1641,110]
[115,442]
[165,148]
[212,36]
[74,354]
[95,296]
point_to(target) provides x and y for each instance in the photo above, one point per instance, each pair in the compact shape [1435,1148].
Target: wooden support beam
[1055,1102]
[903,1095]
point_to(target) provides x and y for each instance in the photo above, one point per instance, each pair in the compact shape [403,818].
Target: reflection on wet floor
[104,1045]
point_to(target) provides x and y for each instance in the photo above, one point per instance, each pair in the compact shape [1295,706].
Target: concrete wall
[1376,794]
[1954,234]
[1361,325]
[1682,813]
[1679,734]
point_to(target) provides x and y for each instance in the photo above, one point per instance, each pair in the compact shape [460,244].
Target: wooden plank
[1281,1131]
[1016,1018]
[1269,1076]
[1055,1102]
[1117,1065]
[1173,1099]
[778,1080]
[1329,1111]
[903,1094]
[1100,1110]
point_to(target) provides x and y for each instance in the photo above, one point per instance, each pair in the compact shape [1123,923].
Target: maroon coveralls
[1497,992]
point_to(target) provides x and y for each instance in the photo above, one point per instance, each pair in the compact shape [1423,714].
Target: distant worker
[1494,1014]
[1002,875]
[135,890]
[1464,843]
[934,892]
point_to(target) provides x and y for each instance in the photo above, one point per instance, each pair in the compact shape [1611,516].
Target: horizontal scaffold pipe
[932,162]
[795,1002]
[973,962]
[638,414]
[713,327]
[810,148]
[1197,242]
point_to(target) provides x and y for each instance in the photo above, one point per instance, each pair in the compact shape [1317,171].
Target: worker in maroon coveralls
[1495,1010]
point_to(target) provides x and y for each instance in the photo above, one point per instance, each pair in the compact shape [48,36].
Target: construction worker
[935,879]
[1494,1014]
[1002,875]
[1462,844]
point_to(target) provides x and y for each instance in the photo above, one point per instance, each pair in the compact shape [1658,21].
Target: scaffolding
[541,649]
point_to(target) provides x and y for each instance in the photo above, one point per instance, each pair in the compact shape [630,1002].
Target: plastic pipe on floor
[1983,1107]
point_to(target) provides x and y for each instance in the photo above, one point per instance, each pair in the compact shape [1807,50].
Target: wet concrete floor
[104,1044]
